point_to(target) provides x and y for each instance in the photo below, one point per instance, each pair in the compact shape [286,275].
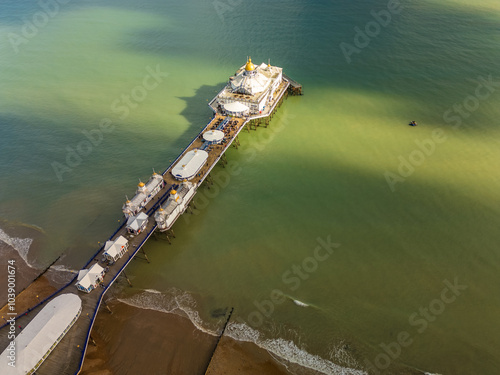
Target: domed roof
[141,184]
[173,192]
[249,66]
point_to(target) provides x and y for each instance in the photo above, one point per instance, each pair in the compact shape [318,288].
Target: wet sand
[26,290]
[137,341]
[237,357]
[28,298]
[24,274]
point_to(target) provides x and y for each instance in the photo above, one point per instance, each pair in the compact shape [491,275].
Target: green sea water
[410,209]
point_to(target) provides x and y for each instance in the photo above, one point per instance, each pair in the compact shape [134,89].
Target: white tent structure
[88,279]
[213,136]
[114,250]
[37,340]
[190,164]
[136,224]
[236,109]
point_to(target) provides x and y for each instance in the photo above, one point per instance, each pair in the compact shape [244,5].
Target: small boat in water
[413,123]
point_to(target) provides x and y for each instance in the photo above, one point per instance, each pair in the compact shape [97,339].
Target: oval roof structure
[190,164]
[39,337]
[213,136]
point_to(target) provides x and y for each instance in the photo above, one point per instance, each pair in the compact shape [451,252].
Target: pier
[67,357]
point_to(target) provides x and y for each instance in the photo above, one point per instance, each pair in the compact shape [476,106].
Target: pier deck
[67,357]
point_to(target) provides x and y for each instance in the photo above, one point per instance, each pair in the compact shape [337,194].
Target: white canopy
[136,222]
[190,164]
[114,248]
[252,84]
[88,277]
[235,107]
[37,338]
[213,136]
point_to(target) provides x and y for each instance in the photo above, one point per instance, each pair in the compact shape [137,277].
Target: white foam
[288,350]
[299,303]
[152,291]
[62,268]
[176,301]
[173,301]
[339,352]
[60,274]
[21,245]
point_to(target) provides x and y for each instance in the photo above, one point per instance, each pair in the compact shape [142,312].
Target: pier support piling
[125,275]
[107,307]
[142,249]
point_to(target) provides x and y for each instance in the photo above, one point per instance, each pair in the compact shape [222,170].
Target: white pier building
[37,340]
[249,91]
[175,205]
[145,192]
[189,165]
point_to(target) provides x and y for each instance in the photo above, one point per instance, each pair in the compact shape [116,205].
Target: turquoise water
[318,171]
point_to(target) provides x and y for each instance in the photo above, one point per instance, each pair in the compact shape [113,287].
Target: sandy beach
[131,340]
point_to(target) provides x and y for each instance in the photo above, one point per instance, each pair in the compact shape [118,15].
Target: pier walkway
[67,357]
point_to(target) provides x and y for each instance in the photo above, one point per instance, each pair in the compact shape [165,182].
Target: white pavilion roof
[190,164]
[136,222]
[113,248]
[235,107]
[35,340]
[256,81]
[153,182]
[213,136]
[88,277]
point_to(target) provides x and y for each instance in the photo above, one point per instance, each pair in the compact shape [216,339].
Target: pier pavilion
[249,91]
[37,340]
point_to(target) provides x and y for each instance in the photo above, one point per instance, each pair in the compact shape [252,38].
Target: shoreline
[172,344]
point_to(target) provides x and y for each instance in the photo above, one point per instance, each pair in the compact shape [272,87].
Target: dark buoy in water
[413,123]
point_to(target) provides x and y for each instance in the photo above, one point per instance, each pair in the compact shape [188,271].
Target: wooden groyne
[67,357]
[219,337]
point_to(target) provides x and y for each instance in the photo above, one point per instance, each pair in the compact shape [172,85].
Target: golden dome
[173,192]
[141,184]
[249,66]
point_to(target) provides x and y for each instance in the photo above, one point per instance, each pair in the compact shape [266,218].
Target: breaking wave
[62,268]
[178,302]
[60,274]
[172,301]
[288,350]
[21,245]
